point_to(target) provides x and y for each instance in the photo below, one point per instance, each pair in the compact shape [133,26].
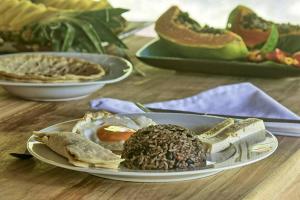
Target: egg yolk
[114,133]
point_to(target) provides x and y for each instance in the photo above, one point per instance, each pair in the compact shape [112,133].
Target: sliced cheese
[252,128]
[217,129]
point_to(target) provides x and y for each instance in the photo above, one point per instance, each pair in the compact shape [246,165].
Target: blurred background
[210,12]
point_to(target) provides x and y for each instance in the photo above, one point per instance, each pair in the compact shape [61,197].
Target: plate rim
[126,72]
[31,141]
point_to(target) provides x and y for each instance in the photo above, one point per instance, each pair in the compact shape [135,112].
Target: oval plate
[116,69]
[243,155]
[156,54]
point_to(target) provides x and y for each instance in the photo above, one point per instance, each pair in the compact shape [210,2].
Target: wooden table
[277,177]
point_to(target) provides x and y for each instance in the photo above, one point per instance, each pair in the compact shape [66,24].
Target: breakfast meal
[57,58]
[46,68]
[163,146]
[56,25]
[247,37]
[186,37]
[78,150]
[102,139]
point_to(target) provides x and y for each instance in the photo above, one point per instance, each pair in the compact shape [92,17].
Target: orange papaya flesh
[297,55]
[252,38]
[253,33]
[185,37]
[255,30]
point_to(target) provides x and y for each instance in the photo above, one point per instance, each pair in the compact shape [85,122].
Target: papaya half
[255,30]
[185,37]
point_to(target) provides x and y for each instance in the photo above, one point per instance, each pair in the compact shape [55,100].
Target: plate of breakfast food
[152,147]
[55,76]
[248,45]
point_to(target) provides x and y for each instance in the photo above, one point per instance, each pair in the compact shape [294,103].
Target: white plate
[242,156]
[116,68]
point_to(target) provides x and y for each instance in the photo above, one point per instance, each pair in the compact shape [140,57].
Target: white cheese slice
[252,128]
[217,129]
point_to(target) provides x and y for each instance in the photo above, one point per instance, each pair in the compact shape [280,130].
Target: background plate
[157,55]
[243,156]
[116,69]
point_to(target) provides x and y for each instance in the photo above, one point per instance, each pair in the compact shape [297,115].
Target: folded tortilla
[78,150]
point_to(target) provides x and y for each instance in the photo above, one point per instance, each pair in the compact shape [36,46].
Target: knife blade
[284,127]
[265,119]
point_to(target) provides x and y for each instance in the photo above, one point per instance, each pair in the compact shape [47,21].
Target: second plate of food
[222,156]
[155,53]
[29,79]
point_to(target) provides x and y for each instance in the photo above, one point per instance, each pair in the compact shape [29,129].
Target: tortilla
[78,150]
[47,68]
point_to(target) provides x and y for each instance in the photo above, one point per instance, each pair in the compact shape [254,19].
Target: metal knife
[284,127]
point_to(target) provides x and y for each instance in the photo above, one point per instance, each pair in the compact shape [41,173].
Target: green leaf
[289,43]
[111,17]
[272,40]
[104,21]
[35,28]
[69,37]
[80,31]
[109,36]
[106,33]
[84,44]
[108,15]
[90,32]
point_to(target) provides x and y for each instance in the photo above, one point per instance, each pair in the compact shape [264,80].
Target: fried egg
[109,130]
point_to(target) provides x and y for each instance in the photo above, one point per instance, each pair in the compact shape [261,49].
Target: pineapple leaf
[80,31]
[69,38]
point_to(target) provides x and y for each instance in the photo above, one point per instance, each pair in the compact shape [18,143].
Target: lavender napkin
[243,99]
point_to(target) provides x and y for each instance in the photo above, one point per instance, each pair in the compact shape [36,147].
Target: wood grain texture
[277,177]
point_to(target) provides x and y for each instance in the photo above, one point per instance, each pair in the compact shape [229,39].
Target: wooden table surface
[277,177]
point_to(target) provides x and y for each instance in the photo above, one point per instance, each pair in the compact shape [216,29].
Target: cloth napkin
[243,99]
